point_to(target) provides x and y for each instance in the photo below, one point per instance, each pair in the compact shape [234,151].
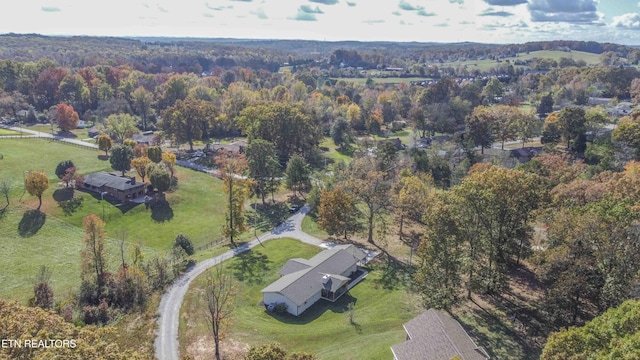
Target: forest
[430,167]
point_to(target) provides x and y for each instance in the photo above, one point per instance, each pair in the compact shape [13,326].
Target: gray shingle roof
[299,286]
[294,265]
[110,180]
[434,335]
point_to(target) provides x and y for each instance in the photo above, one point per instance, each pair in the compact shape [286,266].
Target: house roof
[333,282]
[143,138]
[111,180]
[294,265]
[303,278]
[434,335]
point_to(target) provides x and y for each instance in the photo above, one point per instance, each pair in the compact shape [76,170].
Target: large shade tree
[121,156]
[262,165]
[283,124]
[187,119]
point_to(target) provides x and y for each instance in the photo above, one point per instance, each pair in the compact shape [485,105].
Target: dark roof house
[328,275]
[144,138]
[122,188]
[434,335]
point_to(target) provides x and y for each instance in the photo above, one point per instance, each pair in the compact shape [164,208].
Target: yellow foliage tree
[21,323]
[140,164]
[36,183]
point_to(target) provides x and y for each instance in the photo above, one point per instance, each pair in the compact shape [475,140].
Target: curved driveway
[166,343]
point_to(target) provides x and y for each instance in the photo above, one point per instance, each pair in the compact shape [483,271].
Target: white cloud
[576,11]
[629,21]
[388,20]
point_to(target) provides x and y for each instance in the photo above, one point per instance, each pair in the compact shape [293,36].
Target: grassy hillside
[485,65]
[55,244]
[55,239]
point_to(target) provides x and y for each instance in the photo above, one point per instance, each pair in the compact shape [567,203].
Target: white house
[327,276]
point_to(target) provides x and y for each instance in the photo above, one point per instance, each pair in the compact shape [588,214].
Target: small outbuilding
[328,275]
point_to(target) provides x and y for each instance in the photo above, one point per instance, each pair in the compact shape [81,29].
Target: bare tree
[5,188]
[219,299]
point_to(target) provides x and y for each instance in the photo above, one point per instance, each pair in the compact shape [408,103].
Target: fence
[77,143]
[210,244]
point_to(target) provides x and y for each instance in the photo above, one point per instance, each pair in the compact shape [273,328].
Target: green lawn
[384,80]
[56,244]
[331,152]
[323,329]
[80,134]
[22,155]
[485,65]
[311,227]
[194,209]
[9,132]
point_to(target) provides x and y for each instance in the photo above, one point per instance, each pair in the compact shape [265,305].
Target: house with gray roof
[328,275]
[434,335]
[122,188]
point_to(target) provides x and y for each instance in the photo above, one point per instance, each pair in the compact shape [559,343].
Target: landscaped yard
[381,307]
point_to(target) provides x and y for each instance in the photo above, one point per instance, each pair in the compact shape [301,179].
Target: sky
[486,21]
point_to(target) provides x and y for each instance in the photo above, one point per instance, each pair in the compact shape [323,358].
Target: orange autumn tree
[66,117]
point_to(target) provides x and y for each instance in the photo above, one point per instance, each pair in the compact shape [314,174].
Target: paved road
[166,343]
[39,134]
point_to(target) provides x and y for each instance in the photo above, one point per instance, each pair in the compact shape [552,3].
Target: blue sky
[489,21]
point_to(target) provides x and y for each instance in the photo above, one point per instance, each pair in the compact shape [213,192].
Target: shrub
[96,314]
[280,308]
[185,243]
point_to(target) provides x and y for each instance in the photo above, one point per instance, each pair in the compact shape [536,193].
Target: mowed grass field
[9,132]
[485,65]
[56,245]
[381,307]
[195,209]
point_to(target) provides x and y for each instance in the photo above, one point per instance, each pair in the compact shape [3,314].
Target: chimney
[133,180]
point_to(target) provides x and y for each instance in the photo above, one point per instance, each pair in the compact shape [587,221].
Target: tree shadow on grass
[492,333]
[346,151]
[250,267]
[3,212]
[161,211]
[112,201]
[316,310]
[393,274]
[269,215]
[31,223]
[103,157]
[64,194]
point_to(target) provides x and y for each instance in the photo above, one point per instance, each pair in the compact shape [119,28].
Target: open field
[485,65]
[193,209]
[22,155]
[381,307]
[188,211]
[79,134]
[29,242]
[383,80]
[9,132]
